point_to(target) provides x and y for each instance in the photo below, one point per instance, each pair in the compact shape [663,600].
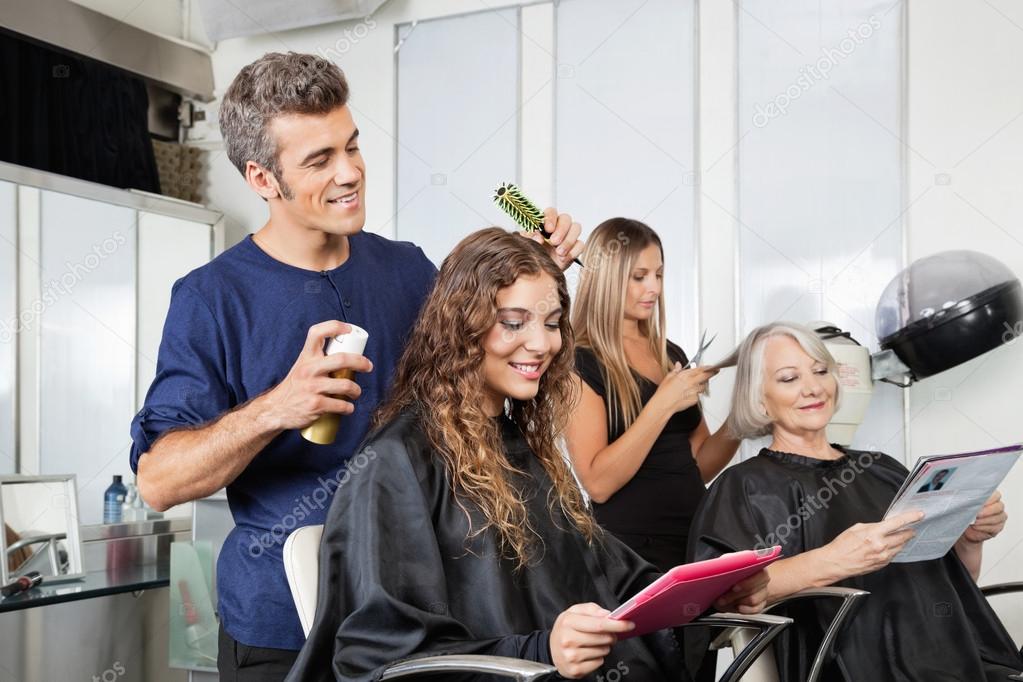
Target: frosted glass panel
[168,249]
[8,324]
[625,129]
[87,343]
[820,172]
[457,126]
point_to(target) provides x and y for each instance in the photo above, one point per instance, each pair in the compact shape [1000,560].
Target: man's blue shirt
[234,329]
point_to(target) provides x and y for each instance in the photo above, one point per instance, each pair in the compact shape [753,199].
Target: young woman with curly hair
[460,528]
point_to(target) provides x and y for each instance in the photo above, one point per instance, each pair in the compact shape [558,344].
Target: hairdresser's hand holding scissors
[564,243]
[680,388]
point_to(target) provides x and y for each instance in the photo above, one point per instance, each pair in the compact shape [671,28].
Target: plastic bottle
[113,498]
[127,507]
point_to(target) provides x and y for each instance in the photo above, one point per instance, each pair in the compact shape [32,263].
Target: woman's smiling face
[799,391]
[523,341]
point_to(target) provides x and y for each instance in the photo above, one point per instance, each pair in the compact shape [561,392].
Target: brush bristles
[522,210]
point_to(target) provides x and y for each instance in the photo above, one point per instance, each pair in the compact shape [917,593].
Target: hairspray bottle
[324,430]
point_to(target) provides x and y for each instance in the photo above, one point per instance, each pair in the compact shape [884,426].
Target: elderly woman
[823,503]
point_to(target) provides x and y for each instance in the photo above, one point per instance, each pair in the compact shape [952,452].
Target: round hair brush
[523,211]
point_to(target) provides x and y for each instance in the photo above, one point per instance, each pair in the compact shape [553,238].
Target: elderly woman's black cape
[398,577]
[923,622]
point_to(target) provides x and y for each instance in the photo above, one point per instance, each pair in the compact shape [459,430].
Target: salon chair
[49,558]
[764,668]
[998,590]
[301,565]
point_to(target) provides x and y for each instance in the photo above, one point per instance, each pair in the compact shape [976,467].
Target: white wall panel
[457,137]
[965,123]
[820,173]
[625,129]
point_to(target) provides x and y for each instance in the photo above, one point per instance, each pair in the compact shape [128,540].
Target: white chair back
[764,669]
[302,566]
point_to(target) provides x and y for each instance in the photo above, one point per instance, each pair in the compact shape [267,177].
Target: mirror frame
[74,538]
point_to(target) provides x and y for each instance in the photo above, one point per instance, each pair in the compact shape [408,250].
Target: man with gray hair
[241,367]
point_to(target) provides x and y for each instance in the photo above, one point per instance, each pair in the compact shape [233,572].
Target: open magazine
[686,591]
[950,490]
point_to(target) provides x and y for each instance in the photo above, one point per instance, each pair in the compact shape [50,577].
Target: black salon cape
[923,622]
[396,580]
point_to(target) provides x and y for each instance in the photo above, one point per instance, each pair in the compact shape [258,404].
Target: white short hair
[747,418]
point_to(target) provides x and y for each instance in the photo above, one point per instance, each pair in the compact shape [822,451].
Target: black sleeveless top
[662,497]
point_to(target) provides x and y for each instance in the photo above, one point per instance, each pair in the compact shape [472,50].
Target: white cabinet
[86,341]
[8,325]
[168,248]
[85,275]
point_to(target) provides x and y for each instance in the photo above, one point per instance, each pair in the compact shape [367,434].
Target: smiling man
[241,367]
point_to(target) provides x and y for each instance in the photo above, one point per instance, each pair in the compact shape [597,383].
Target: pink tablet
[686,591]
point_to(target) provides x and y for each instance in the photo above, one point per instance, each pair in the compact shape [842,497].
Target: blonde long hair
[441,377]
[610,255]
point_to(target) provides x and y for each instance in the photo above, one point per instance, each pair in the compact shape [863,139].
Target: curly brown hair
[440,376]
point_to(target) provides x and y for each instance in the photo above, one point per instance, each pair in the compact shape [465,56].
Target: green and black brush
[523,211]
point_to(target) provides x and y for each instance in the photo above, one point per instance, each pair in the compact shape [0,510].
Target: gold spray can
[323,431]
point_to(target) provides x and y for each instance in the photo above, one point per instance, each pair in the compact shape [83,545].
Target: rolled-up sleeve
[190,388]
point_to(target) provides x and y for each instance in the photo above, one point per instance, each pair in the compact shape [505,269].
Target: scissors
[704,345]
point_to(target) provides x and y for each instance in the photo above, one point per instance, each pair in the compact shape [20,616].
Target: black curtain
[74,116]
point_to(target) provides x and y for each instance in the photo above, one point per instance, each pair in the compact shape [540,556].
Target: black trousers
[239,662]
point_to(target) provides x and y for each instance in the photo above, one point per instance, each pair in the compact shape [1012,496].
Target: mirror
[39,516]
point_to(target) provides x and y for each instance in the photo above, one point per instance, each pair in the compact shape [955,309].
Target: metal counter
[112,625]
